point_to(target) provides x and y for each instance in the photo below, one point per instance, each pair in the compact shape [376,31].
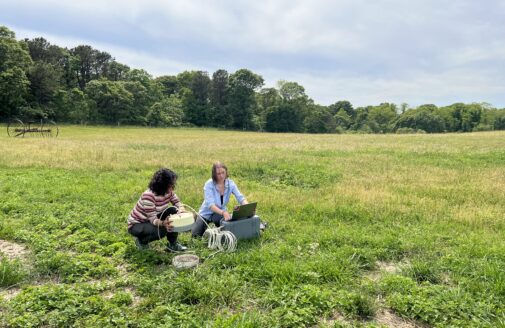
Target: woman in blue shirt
[217,192]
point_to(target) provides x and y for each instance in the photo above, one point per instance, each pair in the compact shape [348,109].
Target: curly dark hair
[161,180]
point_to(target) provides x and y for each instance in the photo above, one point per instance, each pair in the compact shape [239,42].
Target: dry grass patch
[13,251]
[389,319]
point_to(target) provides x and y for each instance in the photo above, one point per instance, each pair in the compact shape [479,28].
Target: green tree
[242,101]
[499,120]
[342,119]
[461,117]
[117,71]
[195,103]
[319,120]
[291,91]
[470,117]
[71,106]
[44,82]
[424,118]
[361,121]
[43,51]
[344,105]
[14,63]
[284,118]
[381,118]
[89,64]
[167,112]
[142,101]
[219,114]
[110,102]
[200,86]
[294,101]
[266,98]
[169,84]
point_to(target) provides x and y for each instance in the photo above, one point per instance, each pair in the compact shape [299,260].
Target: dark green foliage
[41,80]
[421,118]
[356,305]
[168,112]
[14,63]
[300,308]
[284,118]
[61,306]
[220,111]
[499,121]
[438,305]
[197,112]
[242,102]
[319,120]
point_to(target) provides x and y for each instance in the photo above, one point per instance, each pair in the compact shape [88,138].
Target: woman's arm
[217,210]
[147,203]
[238,195]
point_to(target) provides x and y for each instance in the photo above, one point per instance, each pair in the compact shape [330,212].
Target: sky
[367,52]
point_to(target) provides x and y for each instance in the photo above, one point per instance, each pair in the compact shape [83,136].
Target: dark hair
[215,166]
[161,180]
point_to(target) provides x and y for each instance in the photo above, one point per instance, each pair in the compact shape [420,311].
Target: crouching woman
[144,223]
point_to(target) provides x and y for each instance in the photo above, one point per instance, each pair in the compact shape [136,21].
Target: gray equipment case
[243,228]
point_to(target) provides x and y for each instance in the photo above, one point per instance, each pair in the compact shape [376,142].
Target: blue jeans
[199,226]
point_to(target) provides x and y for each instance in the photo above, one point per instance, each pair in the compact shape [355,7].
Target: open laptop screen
[244,211]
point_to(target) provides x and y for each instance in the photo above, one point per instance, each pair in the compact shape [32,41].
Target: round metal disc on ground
[185,261]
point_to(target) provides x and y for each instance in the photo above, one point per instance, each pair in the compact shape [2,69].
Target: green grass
[337,206]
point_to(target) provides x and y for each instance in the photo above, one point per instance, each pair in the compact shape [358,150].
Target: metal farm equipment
[16,128]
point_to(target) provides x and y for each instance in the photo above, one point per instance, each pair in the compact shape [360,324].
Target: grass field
[364,230]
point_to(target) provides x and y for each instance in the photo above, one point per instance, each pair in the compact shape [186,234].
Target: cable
[224,241]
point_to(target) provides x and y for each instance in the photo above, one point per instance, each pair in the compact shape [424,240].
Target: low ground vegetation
[359,225]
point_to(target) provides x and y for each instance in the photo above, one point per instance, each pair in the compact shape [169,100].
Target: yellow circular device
[182,221]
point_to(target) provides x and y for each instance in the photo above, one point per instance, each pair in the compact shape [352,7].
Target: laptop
[243,211]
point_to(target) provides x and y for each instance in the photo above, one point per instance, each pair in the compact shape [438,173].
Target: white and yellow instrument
[182,221]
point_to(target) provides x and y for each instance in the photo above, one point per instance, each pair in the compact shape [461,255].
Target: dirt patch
[336,317]
[9,294]
[388,267]
[136,298]
[382,267]
[12,250]
[390,319]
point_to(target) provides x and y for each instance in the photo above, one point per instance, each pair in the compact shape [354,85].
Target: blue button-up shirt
[213,196]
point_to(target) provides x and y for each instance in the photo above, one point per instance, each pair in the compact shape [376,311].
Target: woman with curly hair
[144,222]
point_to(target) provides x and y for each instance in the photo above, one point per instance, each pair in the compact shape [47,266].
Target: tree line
[87,86]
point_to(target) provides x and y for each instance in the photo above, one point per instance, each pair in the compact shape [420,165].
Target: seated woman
[217,192]
[144,222]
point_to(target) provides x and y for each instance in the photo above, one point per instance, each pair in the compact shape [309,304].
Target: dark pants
[199,226]
[147,232]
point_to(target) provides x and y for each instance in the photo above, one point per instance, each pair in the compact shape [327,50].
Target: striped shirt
[149,205]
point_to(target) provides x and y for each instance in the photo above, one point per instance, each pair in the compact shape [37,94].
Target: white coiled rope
[224,241]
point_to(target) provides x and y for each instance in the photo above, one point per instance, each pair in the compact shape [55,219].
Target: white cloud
[132,57]
[364,51]
[416,89]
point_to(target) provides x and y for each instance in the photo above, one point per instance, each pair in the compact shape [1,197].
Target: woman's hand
[168,224]
[226,216]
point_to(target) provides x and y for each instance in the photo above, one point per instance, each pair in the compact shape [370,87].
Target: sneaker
[139,245]
[176,247]
[263,226]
